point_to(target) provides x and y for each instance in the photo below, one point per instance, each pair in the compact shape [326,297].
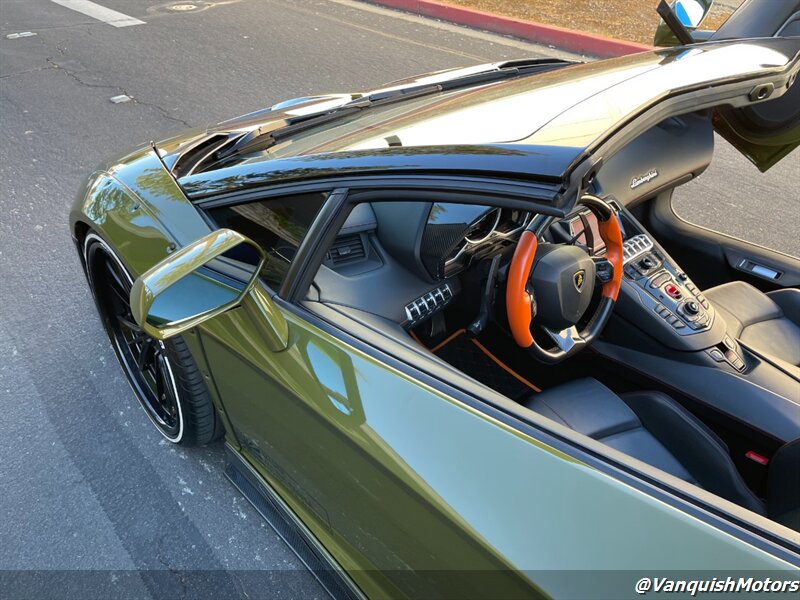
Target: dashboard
[404,261]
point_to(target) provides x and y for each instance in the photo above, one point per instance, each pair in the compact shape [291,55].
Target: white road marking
[101,13]
[23,34]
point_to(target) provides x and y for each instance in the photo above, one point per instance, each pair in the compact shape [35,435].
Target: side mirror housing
[201,281]
[685,16]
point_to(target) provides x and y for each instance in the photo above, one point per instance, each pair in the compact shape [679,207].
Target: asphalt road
[85,481]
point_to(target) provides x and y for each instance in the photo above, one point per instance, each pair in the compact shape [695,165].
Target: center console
[660,298]
[662,288]
[676,299]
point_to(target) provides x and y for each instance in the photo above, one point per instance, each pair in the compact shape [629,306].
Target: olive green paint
[402,483]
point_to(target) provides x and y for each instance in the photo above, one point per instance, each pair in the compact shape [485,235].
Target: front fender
[136,206]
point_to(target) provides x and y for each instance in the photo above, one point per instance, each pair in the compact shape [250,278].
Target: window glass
[734,198]
[278,225]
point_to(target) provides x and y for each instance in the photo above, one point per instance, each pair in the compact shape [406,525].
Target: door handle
[758,269]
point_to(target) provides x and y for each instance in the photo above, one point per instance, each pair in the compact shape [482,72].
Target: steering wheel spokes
[604,269]
[567,340]
[554,283]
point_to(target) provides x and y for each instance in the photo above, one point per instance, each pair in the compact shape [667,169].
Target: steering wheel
[551,286]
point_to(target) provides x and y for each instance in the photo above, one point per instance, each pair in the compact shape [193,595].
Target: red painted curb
[560,37]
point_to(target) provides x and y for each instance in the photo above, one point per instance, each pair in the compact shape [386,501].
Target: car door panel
[713,258]
[299,415]
[407,486]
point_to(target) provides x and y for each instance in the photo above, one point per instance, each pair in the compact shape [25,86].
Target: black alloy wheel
[163,374]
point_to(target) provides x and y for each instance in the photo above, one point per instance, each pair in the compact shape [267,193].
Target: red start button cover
[672,290]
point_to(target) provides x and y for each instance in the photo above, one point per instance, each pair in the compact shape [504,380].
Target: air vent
[635,247]
[346,250]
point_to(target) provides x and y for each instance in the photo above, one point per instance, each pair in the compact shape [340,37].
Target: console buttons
[659,280]
[669,317]
[683,276]
[720,354]
[675,322]
[664,312]
[702,300]
[673,291]
[729,343]
[701,323]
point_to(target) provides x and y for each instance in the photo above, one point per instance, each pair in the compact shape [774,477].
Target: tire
[162,374]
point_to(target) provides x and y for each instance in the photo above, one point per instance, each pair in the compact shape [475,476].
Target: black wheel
[163,374]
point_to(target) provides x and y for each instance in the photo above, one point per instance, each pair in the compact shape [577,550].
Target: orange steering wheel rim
[519,302]
[518,299]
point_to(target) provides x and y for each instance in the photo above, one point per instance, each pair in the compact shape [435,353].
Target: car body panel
[396,475]
[145,175]
[282,113]
[134,199]
[123,220]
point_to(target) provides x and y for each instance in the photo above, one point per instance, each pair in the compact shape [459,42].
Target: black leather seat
[768,323]
[651,427]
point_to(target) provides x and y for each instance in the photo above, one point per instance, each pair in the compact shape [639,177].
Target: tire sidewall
[94,243]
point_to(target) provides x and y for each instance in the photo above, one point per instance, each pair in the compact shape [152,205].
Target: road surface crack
[34,70]
[179,575]
[74,76]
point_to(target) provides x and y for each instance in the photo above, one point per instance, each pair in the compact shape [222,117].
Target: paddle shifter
[487,299]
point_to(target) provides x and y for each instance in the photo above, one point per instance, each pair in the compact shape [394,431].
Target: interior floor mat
[470,356]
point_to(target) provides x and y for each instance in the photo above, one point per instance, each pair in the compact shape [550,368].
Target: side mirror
[691,12]
[199,282]
[680,19]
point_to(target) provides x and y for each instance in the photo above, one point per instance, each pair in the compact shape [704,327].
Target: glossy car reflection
[397,308]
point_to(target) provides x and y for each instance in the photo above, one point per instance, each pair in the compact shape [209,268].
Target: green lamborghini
[455,339]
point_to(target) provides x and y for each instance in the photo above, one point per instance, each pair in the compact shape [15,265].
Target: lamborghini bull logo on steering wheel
[578,279]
